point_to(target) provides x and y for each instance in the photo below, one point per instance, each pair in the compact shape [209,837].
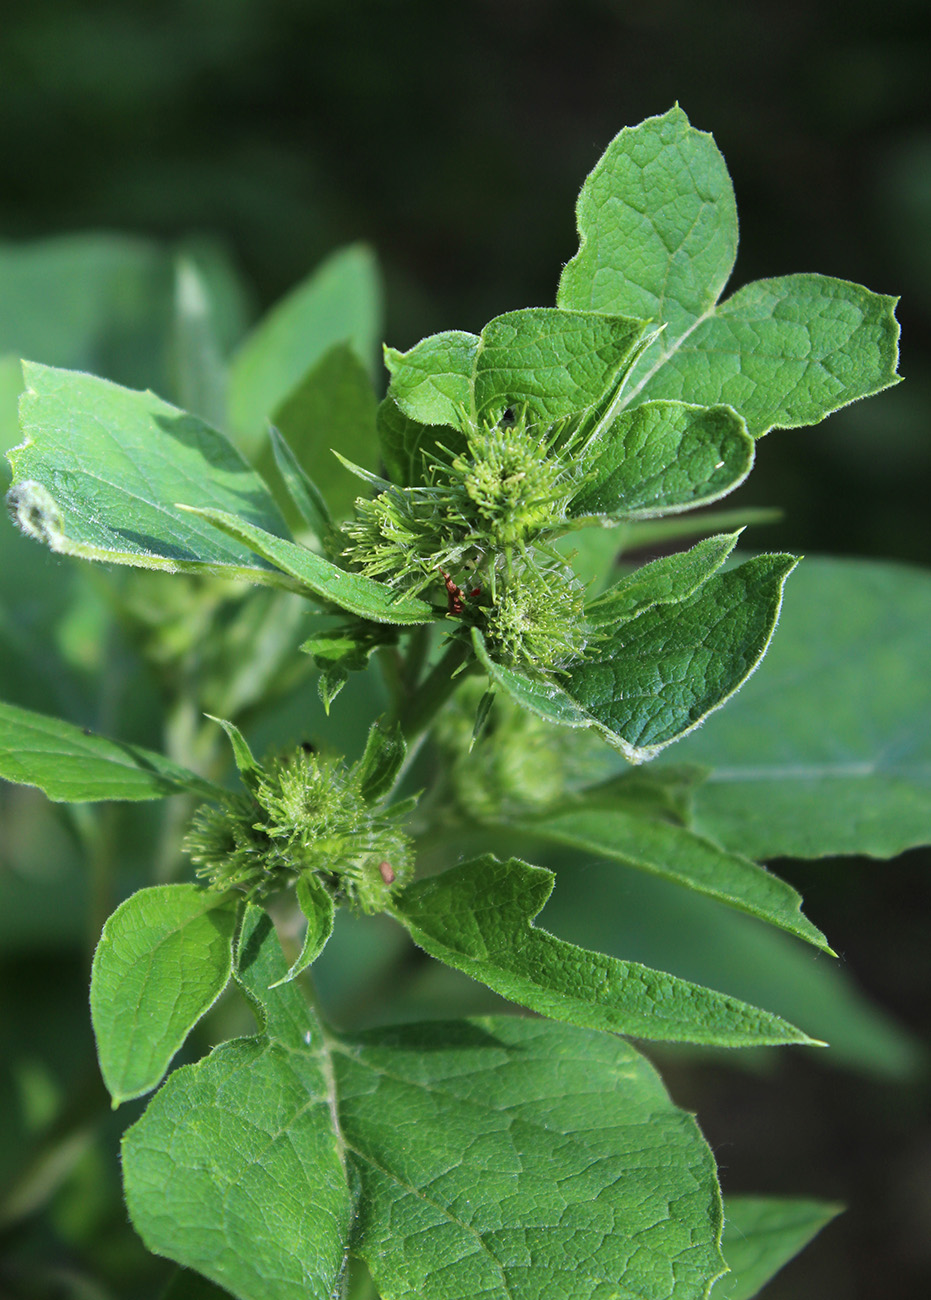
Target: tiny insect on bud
[454,595]
[387,872]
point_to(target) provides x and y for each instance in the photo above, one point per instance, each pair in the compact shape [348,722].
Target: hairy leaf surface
[665,457]
[674,853]
[661,582]
[508,1159]
[318,577]
[499,1158]
[658,237]
[646,919]
[552,363]
[236,1169]
[163,959]
[478,918]
[658,676]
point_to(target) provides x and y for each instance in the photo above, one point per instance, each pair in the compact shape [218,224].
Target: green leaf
[73,765]
[478,917]
[785,352]
[406,444]
[339,302]
[543,697]
[674,853]
[385,752]
[236,1169]
[332,679]
[504,1158]
[246,765]
[319,912]
[339,651]
[432,383]
[643,918]
[303,491]
[163,959]
[761,1233]
[349,645]
[670,579]
[552,363]
[657,225]
[658,676]
[829,750]
[524,1174]
[101,468]
[333,406]
[658,237]
[665,457]
[318,577]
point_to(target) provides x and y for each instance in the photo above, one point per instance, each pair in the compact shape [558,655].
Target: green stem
[418,647]
[418,712]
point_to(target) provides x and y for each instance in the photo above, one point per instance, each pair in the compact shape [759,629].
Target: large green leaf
[163,959]
[478,919]
[319,578]
[658,237]
[499,1158]
[507,1159]
[829,749]
[73,765]
[102,468]
[675,853]
[339,302]
[661,458]
[236,1169]
[761,1233]
[552,363]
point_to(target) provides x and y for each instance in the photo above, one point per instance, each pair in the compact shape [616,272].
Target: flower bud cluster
[304,814]
[482,520]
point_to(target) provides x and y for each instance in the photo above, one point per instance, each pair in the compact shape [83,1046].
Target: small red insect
[387,872]
[455,596]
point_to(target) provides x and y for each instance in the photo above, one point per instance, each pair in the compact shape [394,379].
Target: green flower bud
[305,815]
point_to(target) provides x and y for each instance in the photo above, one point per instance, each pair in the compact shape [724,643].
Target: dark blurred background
[454,138]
